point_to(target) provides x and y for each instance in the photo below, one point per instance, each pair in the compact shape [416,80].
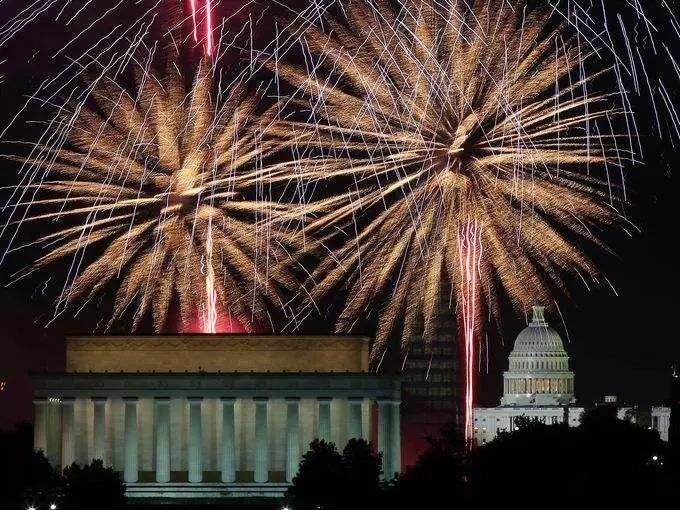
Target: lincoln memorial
[212,416]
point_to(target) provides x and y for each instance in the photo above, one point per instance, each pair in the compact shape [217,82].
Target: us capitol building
[538,383]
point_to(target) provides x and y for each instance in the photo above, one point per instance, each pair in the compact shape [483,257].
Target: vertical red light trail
[208,28]
[209,43]
[193,18]
[469,255]
[210,315]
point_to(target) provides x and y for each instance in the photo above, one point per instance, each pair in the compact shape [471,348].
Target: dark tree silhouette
[328,480]
[435,481]
[603,461]
[92,486]
[28,480]
[362,473]
[43,485]
[26,477]
[320,479]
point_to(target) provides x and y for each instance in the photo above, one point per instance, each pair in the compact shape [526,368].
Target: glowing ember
[225,323]
[469,255]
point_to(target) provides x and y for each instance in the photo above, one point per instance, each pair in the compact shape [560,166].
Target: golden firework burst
[152,187]
[433,117]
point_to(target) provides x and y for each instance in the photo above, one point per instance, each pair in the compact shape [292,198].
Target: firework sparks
[161,187]
[192,4]
[470,249]
[210,318]
[441,112]
[209,45]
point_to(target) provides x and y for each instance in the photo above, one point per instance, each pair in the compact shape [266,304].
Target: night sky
[621,344]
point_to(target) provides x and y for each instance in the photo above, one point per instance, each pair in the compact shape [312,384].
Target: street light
[53,506]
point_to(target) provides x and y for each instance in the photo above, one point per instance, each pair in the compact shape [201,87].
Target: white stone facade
[538,383]
[492,420]
[538,371]
[211,435]
[661,421]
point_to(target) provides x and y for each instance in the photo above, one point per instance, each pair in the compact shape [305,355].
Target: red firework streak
[469,255]
[210,314]
[207,7]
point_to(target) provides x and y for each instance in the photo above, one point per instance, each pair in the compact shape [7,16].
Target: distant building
[538,383]
[431,382]
[674,415]
[666,419]
[212,416]
[661,420]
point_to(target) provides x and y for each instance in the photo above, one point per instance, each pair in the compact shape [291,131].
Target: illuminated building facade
[538,383]
[212,416]
[666,419]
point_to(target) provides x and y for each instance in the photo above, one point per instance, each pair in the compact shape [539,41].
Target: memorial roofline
[216,336]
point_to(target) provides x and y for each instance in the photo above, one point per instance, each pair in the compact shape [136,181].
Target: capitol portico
[212,415]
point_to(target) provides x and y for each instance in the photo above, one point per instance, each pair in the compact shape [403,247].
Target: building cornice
[216,385]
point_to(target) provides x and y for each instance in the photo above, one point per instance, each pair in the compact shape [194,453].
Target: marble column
[354,418]
[195,440]
[99,428]
[40,425]
[54,432]
[389,440]
[292,437]
[68,446]
[131,469]
[81,410]
[162,413]
[261,440]
[324,404]
[395,443]
[228,446]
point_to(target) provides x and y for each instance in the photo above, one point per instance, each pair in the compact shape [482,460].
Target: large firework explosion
[469,148]
[160,184]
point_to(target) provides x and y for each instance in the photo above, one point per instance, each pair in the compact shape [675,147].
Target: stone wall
[217,353]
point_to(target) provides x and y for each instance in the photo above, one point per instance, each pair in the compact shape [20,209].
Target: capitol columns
[261,440]
[228,446]
[195,440]
[99,428]
[131,467]
[292,437]
[162,412]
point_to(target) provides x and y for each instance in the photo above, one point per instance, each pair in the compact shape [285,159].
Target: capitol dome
[538,372]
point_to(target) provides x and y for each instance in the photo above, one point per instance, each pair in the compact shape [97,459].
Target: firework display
[405,143]
[160,186]
[459,130]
